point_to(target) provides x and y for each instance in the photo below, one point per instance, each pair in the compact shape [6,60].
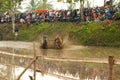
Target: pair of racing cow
[57,42]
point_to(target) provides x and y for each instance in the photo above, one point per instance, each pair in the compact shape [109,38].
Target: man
[1,36]
[16,33]
[44,43]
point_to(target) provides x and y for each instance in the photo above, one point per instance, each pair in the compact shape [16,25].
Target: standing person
[16,33]
[28,19]
[1,37]
[107,23]
[28,23]
[94,15]
[44,42]
[2,20]
[22,20]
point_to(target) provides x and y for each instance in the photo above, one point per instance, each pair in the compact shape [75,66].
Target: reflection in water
[28,73]
[74,70]
[57,71]
[52,52]
[44,52]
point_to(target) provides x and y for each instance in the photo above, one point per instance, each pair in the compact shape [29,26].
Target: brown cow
[58,42]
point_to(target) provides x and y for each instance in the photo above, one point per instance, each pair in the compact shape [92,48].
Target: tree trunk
[81,10]
[93,3]
[13,23]
[104,2]
[13,17]
[111,2]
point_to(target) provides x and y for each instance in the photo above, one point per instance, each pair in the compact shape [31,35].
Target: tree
[10,6]
[71,6]
[32,5]
[88,4]
[81,5]
[59,0]
[42,4]
[119,4]
[69,1]
[45,5]
[111,2]
[104,2]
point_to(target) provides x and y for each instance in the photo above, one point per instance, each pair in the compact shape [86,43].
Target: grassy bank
[95,34]
[32,32]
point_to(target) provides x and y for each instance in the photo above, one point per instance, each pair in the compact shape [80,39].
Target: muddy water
[74,70]
[79,52]
[68,71]
[69,51]
[16,70]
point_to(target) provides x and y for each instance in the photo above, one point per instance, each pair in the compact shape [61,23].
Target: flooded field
[63,69]
[16,70]
[69,51]
[72,51]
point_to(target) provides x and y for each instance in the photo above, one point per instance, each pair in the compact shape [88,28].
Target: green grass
[92,34]
[29,33]
[97,34]
[33,31]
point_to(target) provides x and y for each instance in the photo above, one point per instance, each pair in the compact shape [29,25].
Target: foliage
[72,6]
[8,5]
[43,4]
[32,32]
[24,33]
[76,1]
[59,0]
[119,4]
[117,16]
[32,5]
[96,34]
[88,4]
[29,33]
[69,1]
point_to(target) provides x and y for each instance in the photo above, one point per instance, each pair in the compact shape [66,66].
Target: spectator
[1,37]
[107,23]
[16,33]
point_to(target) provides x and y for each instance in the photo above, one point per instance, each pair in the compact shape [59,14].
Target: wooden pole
[111,63]
[27,68]
[34,62]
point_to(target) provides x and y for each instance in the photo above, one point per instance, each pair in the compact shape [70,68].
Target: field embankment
[92,33]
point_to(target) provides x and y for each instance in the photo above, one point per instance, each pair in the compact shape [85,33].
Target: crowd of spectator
[89,14]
